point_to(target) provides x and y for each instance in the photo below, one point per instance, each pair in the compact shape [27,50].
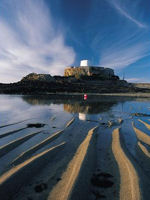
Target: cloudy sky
[45,36]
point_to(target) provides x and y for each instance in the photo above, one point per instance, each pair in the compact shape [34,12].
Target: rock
[37,125]
[39,188]
[140,114]
[120,121]
[102,180]
[58,179]
[38,77]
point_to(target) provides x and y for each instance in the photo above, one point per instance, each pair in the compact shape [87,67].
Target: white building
[84,63]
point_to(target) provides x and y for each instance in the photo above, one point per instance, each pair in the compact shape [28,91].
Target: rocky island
[76,79]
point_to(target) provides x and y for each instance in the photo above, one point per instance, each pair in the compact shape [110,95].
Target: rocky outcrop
[79,86]
[91,71]
[38,77]
[82,79]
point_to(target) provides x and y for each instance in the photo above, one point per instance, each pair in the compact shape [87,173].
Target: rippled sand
[80,158]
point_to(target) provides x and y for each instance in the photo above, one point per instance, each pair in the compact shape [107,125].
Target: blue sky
[45,36]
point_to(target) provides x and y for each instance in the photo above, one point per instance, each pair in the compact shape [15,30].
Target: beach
[75,150]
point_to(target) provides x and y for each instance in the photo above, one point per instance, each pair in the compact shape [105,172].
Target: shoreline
[138,94]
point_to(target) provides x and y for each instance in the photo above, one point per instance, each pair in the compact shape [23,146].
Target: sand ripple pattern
[129,186]
[17,175]
[144,149]
[33,149]
[146,124]
[28,162]
[12,132]
[63,189]
[8,147]
[141,135]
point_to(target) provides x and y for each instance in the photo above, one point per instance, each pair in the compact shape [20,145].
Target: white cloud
[30,43]
[129,45]
[124,12]
[125,41]
[121,56]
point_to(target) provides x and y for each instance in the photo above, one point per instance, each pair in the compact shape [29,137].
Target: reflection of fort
[76,104]
[86,117]
[83,116]
[85,107]
[76,108]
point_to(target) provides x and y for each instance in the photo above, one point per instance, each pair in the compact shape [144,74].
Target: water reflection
[88,117]
[88,110]
[83,116]
[16,108]
[74,104]
[94,105]
[87,107]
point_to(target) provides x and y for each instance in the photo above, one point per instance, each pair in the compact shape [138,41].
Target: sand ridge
[129,186]
[146,124]
[13,144]
[63,189]
[141,135]
[12,132]
[15,169]
[13,123]
[144,149]
[44,142]
[33,149]
[70,122]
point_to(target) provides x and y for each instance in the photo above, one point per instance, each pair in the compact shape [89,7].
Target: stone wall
[88,71]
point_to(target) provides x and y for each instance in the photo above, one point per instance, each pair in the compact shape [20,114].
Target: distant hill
[142,85]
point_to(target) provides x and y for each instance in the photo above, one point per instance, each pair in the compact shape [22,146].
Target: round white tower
[84,63]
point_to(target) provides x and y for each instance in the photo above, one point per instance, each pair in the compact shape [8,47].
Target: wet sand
[129,185]
[76,159]
[16,176]
[144,149]
[141,135]
[27,164]
[146,124]
[8,147]
[63,189]
[70,122]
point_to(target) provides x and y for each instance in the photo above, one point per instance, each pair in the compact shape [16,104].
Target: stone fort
[85,69]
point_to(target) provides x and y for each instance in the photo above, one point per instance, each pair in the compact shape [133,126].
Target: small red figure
[85,96]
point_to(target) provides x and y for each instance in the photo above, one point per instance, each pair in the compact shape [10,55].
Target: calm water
[42,109]
[55,113]
[19,111]
[15,108]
